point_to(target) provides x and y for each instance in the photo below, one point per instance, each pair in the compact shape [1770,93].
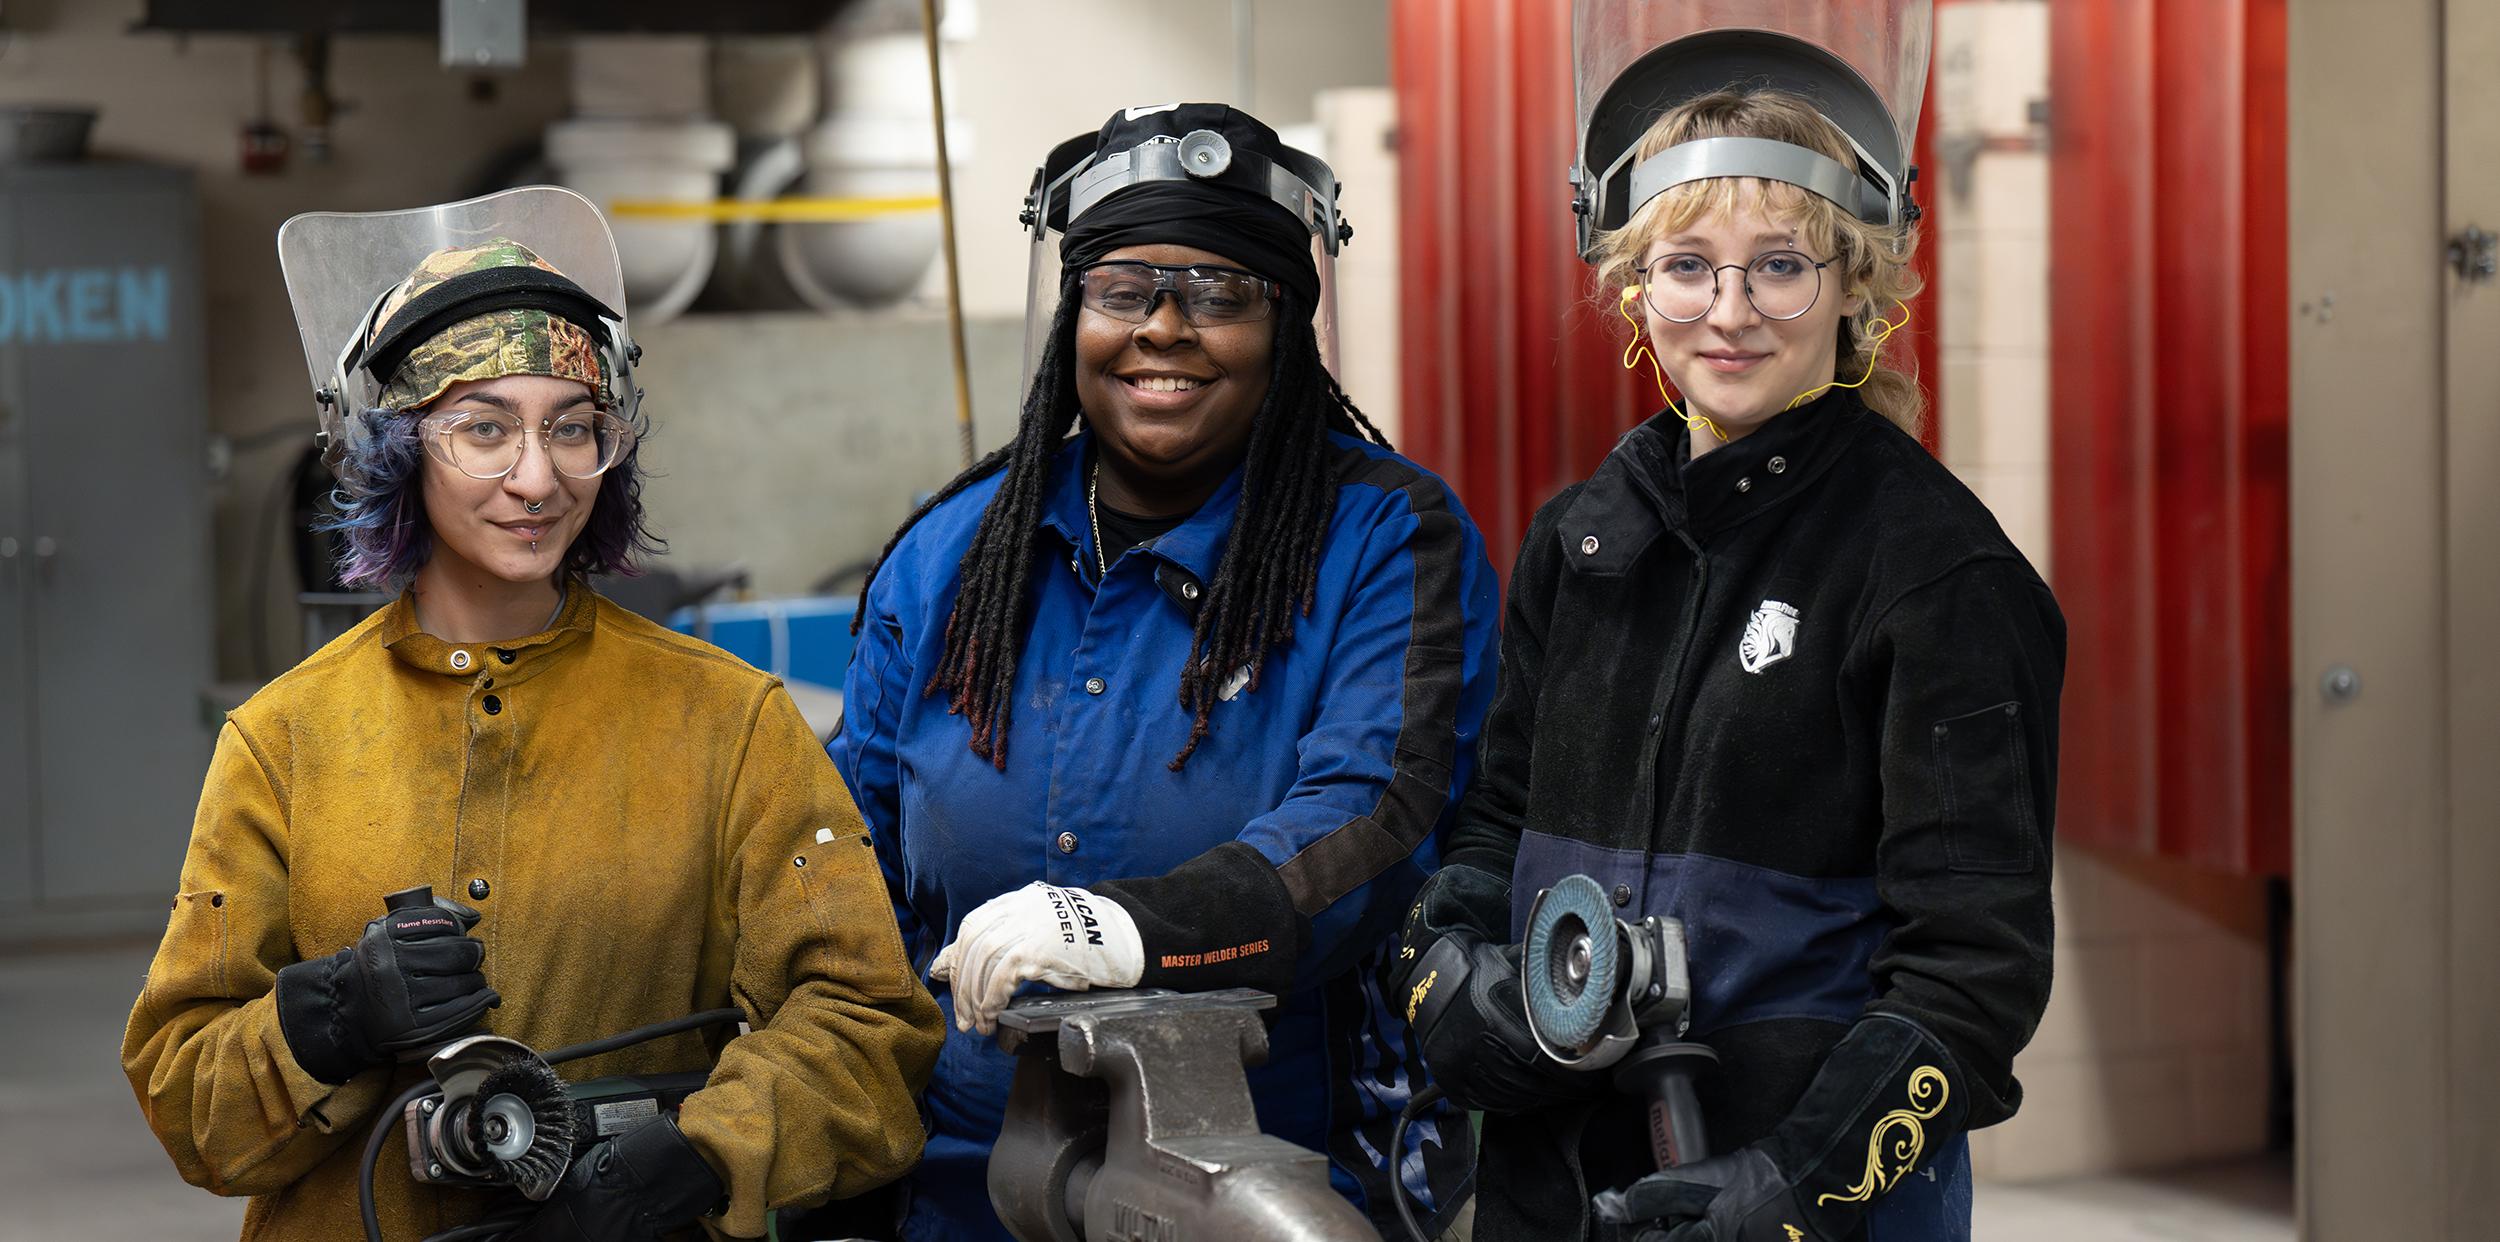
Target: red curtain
[2168,416]
[1514,385]
[2168,405]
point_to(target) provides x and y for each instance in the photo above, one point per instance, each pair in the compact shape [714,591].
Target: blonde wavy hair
[1872,260]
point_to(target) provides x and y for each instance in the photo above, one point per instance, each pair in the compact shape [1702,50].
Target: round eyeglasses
[487,444]
[1129,291]
[1781,284]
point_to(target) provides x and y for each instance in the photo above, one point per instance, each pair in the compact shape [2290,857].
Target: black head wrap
[1222,215]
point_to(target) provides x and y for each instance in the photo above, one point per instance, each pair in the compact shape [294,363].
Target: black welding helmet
[369,287]
[1225,183]
[1862,63]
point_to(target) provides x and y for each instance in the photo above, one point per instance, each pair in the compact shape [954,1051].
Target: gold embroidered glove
[1882,1102]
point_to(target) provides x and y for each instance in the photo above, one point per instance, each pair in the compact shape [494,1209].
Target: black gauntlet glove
[631,1188]
[1883,1101]
[411,981]
[1460,988]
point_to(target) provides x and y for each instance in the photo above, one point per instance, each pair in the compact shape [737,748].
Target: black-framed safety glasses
[1209,296]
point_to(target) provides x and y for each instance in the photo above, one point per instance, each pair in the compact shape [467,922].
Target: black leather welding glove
[411,981]
[1459,986]
[1885,1098]
[634,1187]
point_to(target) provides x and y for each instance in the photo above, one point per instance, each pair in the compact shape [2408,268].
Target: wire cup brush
[502,1118]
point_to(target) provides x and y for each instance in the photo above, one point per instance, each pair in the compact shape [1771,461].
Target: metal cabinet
[106,613]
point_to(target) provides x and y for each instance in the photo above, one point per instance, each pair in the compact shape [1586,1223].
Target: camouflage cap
[514,341]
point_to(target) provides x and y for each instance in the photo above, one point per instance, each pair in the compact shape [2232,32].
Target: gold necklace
[1093,516]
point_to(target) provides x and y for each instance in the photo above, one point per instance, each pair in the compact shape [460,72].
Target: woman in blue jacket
[1206,674]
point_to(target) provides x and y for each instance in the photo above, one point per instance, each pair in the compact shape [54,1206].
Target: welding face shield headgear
[1862,63]
[1201,175]
[532,273]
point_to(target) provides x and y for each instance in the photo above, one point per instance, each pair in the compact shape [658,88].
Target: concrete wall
[2153,1051]
[807,463]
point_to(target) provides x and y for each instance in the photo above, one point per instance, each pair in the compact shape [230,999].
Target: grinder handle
[409,898]
[1662,1071]
[422,897]
[1675,1131]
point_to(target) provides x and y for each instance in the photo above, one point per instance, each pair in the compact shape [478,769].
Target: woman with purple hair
[638,826]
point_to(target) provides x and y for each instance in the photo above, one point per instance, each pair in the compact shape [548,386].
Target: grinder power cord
[594,1161]
[519,1126]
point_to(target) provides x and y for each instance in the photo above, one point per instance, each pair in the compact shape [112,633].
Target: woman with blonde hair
[1773,672]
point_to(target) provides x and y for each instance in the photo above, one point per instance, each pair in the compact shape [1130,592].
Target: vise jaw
[1130,1120]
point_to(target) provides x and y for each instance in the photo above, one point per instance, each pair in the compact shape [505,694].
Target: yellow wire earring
[1877,333]
[1639,349]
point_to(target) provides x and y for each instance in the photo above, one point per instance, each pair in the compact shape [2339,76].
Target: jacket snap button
[1655,722]
[1588,546]
[459,661]
[478,890]
[1189,590]
[1067,843]
[492,705]
[1623,894]
[1093,685]
[1744,485]
[1779,465]
[503,655]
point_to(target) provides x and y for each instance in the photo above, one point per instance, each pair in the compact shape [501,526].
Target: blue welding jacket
[1340,770]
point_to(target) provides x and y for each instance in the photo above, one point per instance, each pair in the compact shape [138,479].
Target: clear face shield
[1074,178]
[1862,62]
[340,267]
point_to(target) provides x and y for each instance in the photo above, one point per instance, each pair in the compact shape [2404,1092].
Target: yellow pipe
[774,210]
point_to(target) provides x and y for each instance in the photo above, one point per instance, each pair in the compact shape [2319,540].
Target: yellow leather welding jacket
[649,828]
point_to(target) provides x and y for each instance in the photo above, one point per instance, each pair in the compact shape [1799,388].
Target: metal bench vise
[1130,1121]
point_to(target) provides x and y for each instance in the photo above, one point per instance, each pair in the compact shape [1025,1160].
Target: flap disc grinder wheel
[1572,964]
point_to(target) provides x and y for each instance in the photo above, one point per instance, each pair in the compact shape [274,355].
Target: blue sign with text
[83,305]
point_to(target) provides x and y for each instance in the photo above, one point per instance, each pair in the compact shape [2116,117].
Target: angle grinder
[1602,993]
[492,1111]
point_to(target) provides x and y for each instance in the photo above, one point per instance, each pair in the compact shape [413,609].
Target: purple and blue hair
[379,509]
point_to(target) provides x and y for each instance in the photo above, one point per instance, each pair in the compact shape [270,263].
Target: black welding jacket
[1800,693]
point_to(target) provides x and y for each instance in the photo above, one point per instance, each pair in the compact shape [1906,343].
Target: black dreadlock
[1265,579]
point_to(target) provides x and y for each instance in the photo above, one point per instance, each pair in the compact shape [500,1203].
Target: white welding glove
[1065,937]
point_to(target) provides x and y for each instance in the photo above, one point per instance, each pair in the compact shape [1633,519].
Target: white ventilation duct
[877,142]
[878,260]
[641,134]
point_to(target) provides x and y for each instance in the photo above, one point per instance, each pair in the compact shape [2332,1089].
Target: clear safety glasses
[1781,284]
[1208,296]
[487,444]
